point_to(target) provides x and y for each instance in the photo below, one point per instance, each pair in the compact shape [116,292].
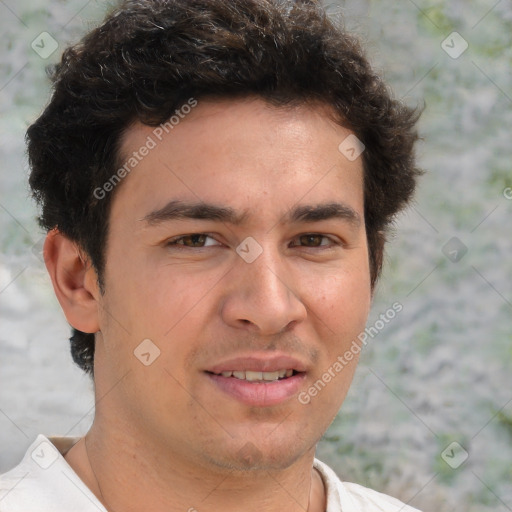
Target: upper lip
[259,363]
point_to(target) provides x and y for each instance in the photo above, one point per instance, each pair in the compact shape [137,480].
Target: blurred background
[429,416]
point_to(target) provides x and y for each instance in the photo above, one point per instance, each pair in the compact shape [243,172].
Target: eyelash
[173,242]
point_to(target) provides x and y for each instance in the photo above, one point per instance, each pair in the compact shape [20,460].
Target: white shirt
[45,482]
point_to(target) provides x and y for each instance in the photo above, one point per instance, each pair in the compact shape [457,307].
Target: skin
[165,437]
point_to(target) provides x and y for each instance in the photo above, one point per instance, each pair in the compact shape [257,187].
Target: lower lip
[262,394]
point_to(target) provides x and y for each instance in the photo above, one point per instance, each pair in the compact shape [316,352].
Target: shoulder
[44,482]
[376,501]
[352,497]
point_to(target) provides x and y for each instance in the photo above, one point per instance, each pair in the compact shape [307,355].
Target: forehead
[241,153]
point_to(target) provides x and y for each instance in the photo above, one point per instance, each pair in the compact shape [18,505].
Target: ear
[74,281]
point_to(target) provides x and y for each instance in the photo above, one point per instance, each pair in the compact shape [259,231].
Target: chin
[250,458]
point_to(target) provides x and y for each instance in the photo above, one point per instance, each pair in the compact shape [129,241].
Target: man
[216,178]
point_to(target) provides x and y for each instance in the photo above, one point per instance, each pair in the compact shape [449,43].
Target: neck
[127,474]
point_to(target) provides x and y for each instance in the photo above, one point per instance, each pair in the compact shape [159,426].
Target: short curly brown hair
[149,56]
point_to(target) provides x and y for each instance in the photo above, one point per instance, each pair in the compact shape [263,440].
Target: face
[237,246]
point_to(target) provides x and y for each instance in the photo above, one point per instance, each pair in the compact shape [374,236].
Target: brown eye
[314,240]
[311,240]
[193,240]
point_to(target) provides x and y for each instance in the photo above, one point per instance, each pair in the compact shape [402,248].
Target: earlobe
[75,286]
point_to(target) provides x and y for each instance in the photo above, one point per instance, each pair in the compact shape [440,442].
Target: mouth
[254,376]
[259,380]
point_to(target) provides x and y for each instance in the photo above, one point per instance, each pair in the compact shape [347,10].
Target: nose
[262,296]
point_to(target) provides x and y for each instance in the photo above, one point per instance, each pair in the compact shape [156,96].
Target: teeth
[252,376]
[258,376]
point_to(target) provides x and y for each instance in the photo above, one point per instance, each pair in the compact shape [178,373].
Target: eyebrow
[176,210]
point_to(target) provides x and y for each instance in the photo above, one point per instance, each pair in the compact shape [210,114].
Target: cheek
[159,300]
[342,300]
